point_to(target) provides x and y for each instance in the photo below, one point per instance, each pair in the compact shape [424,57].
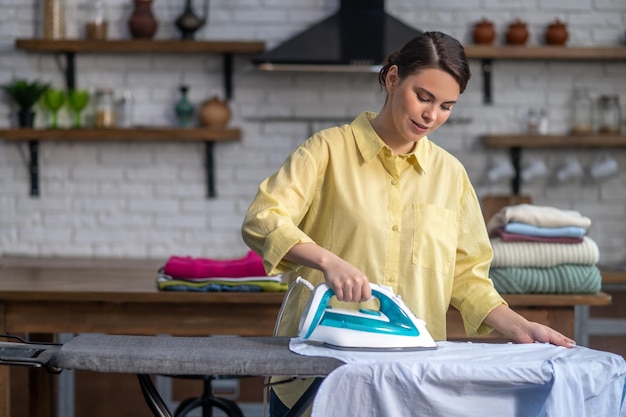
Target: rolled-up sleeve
[473,293]
[270,226]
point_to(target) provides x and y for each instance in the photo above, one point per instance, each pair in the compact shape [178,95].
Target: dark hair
[429,50]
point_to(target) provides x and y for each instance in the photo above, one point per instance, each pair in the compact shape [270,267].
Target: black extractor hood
[358,37]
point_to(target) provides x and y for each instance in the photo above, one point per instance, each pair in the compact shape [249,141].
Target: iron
[392,327]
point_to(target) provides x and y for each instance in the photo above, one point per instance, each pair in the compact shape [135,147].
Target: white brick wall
[129,199]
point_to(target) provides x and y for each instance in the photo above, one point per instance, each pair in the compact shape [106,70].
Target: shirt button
[395,228]
[394,182]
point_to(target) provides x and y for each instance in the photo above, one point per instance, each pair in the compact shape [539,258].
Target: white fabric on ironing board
[472,379]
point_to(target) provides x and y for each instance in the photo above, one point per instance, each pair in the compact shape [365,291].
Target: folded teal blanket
[560,279]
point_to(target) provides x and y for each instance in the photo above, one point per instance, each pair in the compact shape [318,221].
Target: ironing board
[263,356]
[165,355]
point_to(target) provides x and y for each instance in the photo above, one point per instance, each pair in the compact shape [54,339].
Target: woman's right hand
[348,282]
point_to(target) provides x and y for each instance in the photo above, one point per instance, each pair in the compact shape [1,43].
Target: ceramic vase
[484,33]
[183,108]
[556,33]
[188,23]
[517,33]
[215,113]
[142,23]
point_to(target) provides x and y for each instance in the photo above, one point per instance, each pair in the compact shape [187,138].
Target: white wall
[147,200]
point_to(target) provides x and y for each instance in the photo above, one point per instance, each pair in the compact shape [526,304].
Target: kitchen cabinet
[70,47]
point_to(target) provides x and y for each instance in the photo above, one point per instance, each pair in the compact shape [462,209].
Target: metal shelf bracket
[487,68]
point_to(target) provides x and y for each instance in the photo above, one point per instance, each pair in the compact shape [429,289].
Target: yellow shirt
[412,222]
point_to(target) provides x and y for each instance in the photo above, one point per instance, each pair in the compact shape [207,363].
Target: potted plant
[25,94]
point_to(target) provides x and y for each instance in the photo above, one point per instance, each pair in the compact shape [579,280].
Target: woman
[377,201]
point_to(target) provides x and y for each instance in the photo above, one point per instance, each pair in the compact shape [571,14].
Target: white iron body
[393,326]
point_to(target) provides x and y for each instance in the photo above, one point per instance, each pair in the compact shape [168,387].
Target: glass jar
[125,110]
[609,114]
[582,113]
[96,24]
[105,108]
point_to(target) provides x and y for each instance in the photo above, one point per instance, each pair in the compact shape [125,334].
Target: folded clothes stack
[217,275]
[543,250]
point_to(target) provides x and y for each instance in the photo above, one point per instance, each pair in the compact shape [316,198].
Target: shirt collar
[370,144]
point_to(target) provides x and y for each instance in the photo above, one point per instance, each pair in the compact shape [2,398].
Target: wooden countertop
[67,279]
[613,276]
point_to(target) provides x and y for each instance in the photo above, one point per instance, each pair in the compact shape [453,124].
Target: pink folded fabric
[516,237]
[250,265]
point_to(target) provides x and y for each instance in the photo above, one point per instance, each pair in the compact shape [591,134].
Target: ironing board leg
[305,400]
[152,397]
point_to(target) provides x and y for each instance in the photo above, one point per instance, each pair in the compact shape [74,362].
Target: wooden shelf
[146,134]
[140,45]
[70,47]
[606,53]
[555,141]
[134,134]
[515,143]
[487,54]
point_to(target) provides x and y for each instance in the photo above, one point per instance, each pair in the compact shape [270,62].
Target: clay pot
[484,32]
[556,33]
[142,23]
[517,33]
[214,113]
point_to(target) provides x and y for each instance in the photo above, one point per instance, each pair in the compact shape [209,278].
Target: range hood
[357,38]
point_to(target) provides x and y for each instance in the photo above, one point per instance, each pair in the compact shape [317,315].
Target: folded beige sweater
[542,216]
[543,254]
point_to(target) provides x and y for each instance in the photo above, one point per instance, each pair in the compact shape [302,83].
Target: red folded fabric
[250,265]
[516,237]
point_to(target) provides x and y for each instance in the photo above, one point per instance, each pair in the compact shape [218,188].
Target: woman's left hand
[536,332]
[520,330]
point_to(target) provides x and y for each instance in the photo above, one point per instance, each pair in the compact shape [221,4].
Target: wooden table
[65,296]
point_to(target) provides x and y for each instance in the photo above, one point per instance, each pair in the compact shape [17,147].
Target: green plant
[24,93]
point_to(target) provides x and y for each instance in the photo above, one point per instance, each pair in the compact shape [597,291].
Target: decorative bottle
[183,108]
[188,22]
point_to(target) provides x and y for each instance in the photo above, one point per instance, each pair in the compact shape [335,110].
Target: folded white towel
[542,216]
[543,254]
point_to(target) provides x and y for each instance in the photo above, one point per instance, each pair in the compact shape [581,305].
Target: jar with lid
[105,108]
[609,114]
[96,24]
[582,113]
[125,110]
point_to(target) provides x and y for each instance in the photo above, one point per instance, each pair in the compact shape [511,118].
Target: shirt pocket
[434,237]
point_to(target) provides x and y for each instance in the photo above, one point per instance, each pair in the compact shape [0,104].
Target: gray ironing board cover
[213,355]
